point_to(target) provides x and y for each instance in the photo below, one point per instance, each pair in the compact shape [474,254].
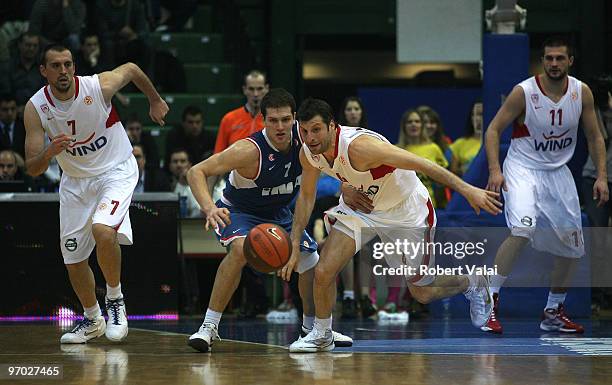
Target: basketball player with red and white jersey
[100,173]
[367,161]
[541,199]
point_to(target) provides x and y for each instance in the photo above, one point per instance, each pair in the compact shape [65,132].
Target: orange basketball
[267,247]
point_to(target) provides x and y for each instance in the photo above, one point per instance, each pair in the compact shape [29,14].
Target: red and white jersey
[385,185]
[99,141]
[547,138]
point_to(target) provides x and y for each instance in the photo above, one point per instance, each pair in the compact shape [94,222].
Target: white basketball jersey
[99,141]
[385,185]
[548,137]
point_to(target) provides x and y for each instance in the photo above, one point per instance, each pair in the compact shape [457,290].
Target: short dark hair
[52,47]
[558,41]
[277,98]
[312,107]
[255,73]
[191,110]
[180,149]
[23,36]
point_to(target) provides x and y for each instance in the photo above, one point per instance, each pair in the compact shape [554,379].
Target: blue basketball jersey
[276,184]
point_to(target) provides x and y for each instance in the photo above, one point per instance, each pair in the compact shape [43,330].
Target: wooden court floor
[153,357]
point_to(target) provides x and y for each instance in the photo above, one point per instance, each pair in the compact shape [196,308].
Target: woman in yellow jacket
[413,138]
[466,148]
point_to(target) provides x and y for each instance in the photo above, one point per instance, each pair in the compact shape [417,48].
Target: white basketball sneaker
[85,330]
[202,340]
[340,340]
[315,341]
[481,300]
[117,326]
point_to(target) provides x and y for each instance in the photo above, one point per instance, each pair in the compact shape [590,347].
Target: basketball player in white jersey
[387,174]
[538,187]
[100,173]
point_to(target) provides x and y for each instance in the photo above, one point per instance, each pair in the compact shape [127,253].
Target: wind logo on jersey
[574,95]
[82,148]
[44,108]
[535,98]
[553,142]
[271,157]
[88,100]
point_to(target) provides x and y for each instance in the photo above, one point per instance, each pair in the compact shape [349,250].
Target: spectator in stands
[8,165]
[466,148]
[24,76]
[150,179]
[122,27]
[244,120]
[89,60]
[58,21]
[12,130]
[352,113]
[179,12]
[180,163]
[434,129]
[413,138]
[133,128]
[599,216]
[11,171]
[190,136]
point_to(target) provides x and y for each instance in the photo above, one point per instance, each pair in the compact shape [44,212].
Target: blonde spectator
[413,138]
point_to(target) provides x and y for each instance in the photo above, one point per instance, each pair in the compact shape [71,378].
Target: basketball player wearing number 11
[99,177]
[541,199]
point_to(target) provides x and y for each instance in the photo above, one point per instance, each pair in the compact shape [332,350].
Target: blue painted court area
[522,337]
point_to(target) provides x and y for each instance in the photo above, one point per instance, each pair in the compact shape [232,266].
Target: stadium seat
[210,78]
[190,47]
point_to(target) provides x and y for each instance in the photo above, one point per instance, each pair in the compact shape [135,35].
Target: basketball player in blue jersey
[264,177]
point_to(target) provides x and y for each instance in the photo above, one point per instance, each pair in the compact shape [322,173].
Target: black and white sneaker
[85,330]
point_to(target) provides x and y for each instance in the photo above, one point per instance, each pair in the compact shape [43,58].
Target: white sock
[93,312]
[113,292]
[497,281]
[212,317]
[308,322]
[323,324]
[350,294]
[554,299]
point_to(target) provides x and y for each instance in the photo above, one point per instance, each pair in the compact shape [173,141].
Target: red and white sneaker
[556,320]
[493,325]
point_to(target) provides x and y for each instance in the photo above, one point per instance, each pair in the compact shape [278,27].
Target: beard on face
[560,75]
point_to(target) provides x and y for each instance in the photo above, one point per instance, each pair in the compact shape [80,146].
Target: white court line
[223,339]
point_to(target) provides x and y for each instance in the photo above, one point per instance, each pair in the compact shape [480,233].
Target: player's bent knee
[236,252]
[423,295]
[103,234]
[323,275]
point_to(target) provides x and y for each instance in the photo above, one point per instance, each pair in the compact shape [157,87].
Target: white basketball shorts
[103,199]
[413,220]
[543,206]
